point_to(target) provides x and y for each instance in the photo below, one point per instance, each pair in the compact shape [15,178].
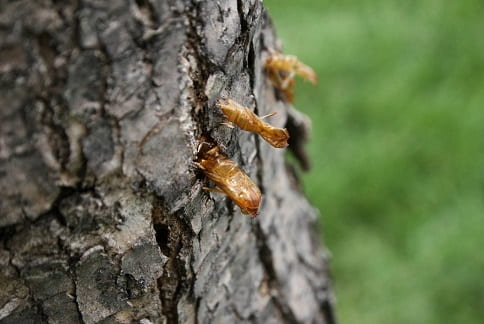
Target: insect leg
[229,125]
[198,165]
[214,190]
[285,80]
[213,151]
[269,115]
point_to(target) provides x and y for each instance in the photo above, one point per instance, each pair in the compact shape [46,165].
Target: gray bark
[102,215]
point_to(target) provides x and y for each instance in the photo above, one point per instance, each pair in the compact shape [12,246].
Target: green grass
[397,151]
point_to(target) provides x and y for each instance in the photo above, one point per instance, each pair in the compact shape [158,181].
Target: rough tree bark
[102,215]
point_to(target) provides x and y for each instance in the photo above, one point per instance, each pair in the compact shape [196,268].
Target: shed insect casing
[291,64]
[281,70]
[283,82]
[231,180]
[244,118]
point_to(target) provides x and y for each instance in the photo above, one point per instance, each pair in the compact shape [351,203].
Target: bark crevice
[174,238]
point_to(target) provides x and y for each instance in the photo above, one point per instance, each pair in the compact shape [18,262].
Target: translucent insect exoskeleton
[244,118]
[281,70]
[230,180]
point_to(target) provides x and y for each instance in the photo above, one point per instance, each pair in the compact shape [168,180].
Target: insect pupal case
[244,118]
[231,180]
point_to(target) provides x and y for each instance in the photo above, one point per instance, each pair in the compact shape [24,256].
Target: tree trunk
[103,216]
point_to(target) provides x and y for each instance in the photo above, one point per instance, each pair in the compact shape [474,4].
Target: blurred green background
[397,151]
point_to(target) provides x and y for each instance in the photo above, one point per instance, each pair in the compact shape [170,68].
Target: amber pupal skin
[285,84]
[244,118]
[282,69]
[290,64]
[230,180]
